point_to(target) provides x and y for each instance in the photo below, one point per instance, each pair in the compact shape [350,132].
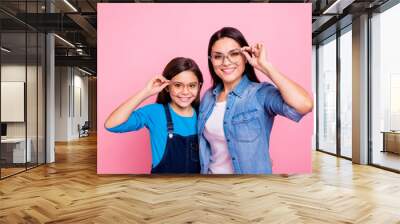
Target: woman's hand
[156,85]
[256,55]
[292,93]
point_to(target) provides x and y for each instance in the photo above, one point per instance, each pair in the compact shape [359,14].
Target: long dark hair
[236,35]
[173,68]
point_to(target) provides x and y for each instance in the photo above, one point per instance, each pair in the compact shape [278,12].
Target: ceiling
[76,22]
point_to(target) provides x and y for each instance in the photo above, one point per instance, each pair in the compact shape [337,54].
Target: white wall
[62,78]
[33,126]
[71,93]
[16,73]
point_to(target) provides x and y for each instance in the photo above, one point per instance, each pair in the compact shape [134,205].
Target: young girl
[172,120]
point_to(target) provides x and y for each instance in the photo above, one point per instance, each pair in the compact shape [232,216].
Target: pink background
[136,41]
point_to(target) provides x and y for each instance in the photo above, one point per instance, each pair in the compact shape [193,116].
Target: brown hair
[173,68]
[236,35]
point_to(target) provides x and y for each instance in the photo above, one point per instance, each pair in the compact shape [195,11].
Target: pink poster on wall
[137,42]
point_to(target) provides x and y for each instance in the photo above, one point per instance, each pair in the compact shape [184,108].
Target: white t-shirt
[221,161]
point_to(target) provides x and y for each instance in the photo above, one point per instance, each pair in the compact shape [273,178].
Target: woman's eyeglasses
[233,56]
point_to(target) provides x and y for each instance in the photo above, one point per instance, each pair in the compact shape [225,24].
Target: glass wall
[22,91]
[327,95]
[385,88]
[346,92]
[13,89]
[314,91]
[335,74]
[41,97]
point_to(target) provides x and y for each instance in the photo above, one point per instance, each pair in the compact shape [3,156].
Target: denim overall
[181,153]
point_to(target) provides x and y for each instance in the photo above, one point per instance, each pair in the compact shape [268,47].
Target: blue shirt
[153,117]
[250,111]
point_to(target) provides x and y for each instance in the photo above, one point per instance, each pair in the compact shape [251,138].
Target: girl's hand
[256,55]
[122,113]
[156,85]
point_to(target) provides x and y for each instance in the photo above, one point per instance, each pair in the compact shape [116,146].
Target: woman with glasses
[171,121]
[237,113]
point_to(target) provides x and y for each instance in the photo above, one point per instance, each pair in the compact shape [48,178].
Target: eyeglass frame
[226,56]
[185,85]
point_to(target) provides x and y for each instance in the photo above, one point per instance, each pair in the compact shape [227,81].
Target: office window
[385,88]
[13,86]
[327,95]
[314,92]
[22,92]
[346,92]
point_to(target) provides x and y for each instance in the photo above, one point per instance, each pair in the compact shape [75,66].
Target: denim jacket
[250,111]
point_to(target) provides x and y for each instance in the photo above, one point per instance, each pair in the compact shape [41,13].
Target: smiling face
[229,72]
[184,89]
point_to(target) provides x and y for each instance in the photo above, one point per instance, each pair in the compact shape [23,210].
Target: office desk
[16,147]
[391,141]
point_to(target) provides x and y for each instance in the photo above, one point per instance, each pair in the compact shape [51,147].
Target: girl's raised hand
[156,85]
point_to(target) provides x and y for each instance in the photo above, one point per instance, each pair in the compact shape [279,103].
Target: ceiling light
[64,40]
[70,5]
[337,7]
[5,50]
[84,71]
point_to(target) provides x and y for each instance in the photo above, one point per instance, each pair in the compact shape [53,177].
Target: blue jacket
[250,111]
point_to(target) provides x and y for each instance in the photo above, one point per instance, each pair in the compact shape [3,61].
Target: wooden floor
[387,159]
[5,172]
[70,191]
[8,171]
